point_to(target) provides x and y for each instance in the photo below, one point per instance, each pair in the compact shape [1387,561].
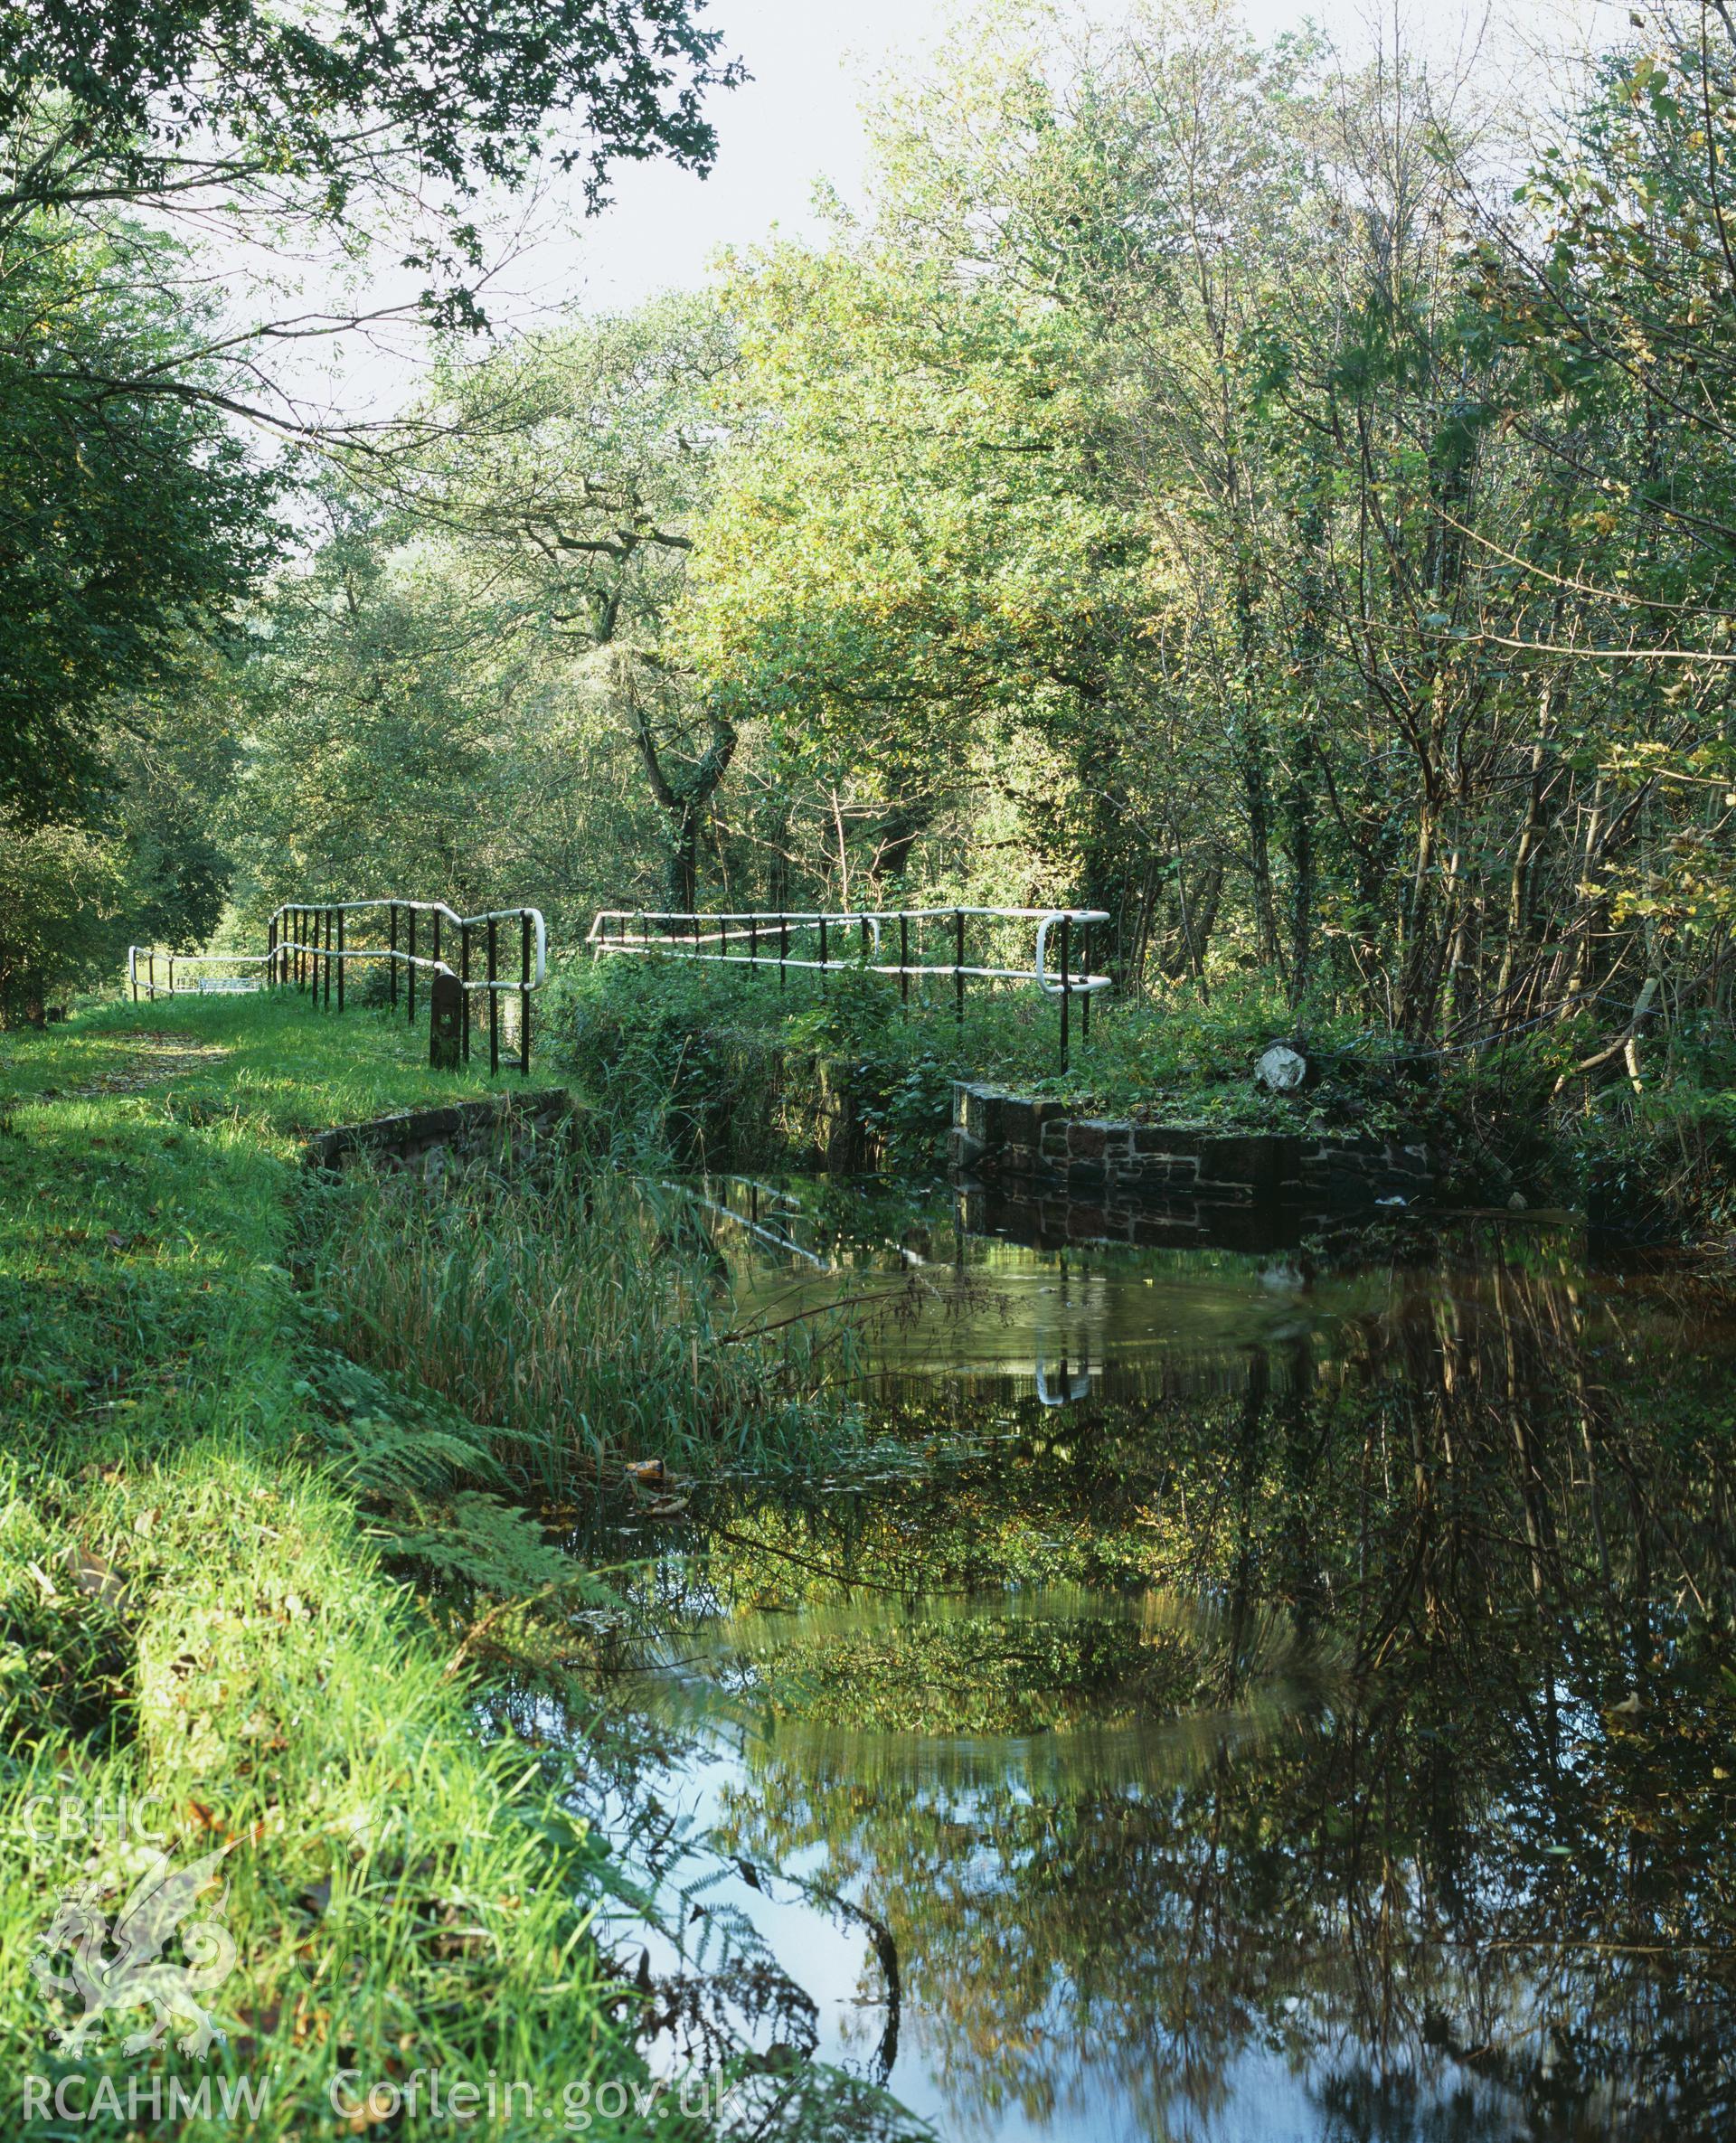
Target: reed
[585,1321]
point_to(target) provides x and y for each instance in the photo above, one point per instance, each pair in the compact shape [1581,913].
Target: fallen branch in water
[814,1309]
[763,1547]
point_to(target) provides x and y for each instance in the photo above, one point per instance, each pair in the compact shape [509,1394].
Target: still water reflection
[1236,1699]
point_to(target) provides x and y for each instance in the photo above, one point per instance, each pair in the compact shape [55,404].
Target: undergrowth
[735,1071]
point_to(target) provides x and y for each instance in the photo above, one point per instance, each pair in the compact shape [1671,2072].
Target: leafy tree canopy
[183,99]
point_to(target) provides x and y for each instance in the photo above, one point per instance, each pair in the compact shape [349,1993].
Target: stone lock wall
[429,1139]
[1023,1139]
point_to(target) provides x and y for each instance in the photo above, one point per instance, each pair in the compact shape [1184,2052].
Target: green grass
[195,1613]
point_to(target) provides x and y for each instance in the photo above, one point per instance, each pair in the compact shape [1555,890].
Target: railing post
[753,940]
[822,954]
[330,934]
[272,952]
[1066,984]
[904,962]
[391,964]
[783,947]
[524,996]
[493,1007]
[862,922]
[436,946]
[959,964]
[1085,969]
[410,971]
[340,959]
[464,976]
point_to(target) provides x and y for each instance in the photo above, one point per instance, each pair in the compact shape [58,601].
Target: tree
[145,867]
[570,473]
[131,523]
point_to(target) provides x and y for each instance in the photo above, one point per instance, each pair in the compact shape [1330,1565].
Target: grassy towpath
[199,1647]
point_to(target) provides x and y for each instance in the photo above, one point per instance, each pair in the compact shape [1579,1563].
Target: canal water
[1257,1696]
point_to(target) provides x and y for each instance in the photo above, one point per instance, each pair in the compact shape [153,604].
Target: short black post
[437,934]
[150,976]
[272,952]
[904,961]
[391,964]
[444,1022]
[297,955]
[464,976]
[493,1005]
[328,959]
[864,940]
[340,959]
[524,996]
[783,950]
[959,964]
[822,952]
[1085,1001]
[753,940]
[1066,983]
[410,971]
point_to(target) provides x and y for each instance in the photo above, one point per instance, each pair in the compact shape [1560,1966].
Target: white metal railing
[143,981]
[761,938]
[307,943]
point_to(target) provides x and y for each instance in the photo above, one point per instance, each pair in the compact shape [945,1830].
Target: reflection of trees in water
[1491,1895]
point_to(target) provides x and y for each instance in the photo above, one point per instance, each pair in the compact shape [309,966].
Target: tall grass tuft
[585,1323]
